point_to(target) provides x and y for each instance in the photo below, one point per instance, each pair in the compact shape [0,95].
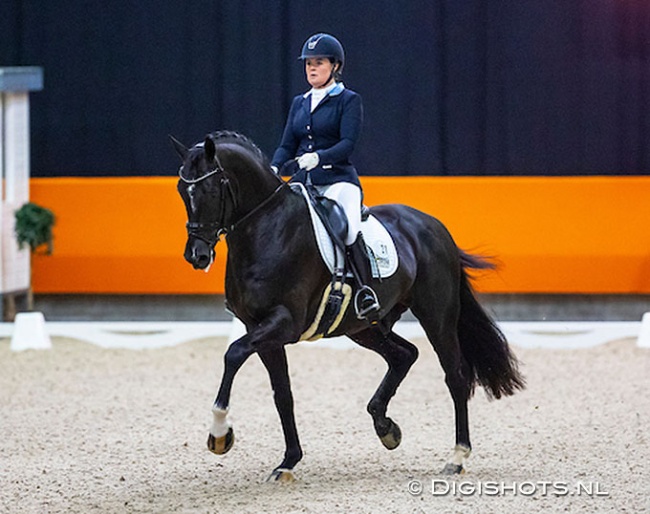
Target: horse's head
[222,180]
[208,197]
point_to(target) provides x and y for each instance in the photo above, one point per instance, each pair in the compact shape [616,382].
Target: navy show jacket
[331,130]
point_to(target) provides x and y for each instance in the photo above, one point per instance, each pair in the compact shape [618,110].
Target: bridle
[218,228]
[210,233]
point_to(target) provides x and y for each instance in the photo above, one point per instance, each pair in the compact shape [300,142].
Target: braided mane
[230,136]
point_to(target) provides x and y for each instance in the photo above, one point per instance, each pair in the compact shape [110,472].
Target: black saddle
[330,212]
[332,215]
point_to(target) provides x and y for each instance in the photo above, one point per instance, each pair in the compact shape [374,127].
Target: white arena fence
[31,331]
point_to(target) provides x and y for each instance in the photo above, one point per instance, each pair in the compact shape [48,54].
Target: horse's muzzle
[199,254]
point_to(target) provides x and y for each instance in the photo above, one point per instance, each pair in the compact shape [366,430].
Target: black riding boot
[366,303]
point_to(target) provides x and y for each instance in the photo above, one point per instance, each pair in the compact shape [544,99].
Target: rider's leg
[365,300]
[349,197]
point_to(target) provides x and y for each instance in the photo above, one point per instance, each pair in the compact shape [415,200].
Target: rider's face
[319,71]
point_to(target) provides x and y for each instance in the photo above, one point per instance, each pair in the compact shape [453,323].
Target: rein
[197,229]
[257,208]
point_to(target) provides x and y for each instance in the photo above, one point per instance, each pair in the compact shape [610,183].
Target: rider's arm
[289,143]
[350,130]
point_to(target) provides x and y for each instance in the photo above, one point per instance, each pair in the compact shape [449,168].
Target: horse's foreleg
[221,436]
[400,355]
[275,361]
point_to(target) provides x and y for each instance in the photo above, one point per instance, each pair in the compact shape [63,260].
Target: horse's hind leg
[459,385]
[400,355]
[440,325]
[275,361]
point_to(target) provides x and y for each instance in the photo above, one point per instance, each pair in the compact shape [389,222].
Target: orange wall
[550,235]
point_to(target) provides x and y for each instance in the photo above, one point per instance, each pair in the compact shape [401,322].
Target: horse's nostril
[201,261]
[198,253]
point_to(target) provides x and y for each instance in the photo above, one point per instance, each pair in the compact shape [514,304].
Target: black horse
[275,279]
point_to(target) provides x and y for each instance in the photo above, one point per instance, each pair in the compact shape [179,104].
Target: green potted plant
[33,228]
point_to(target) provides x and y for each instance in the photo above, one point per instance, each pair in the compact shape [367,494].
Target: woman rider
[321,131]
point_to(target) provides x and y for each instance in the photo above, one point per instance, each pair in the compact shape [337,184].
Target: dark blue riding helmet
[323,45]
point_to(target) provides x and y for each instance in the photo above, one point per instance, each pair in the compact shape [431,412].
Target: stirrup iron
[374,307]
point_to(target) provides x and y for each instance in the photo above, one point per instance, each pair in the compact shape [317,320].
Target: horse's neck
[280,206]
[254,184]
[254,193]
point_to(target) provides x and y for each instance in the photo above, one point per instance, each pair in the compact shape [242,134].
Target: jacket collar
[336,90]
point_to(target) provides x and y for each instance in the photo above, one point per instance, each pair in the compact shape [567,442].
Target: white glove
[275,169]
[308,161]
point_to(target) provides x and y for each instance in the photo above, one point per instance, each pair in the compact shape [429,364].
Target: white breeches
[349,197]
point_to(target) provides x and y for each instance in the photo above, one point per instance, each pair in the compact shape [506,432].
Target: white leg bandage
[460,454]
[220,423]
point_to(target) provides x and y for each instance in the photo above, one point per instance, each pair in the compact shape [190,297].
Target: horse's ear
[209,149]
[180,148]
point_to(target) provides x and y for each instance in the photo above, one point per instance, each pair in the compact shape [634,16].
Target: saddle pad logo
[382,256]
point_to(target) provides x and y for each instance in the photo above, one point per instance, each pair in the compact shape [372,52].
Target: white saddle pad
[375,236]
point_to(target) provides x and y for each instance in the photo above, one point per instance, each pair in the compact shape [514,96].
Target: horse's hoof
[282,475]
[393,436]
[453,469]
[221,445]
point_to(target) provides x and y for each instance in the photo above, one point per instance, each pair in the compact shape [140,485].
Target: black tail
[484,346]
[469,261]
